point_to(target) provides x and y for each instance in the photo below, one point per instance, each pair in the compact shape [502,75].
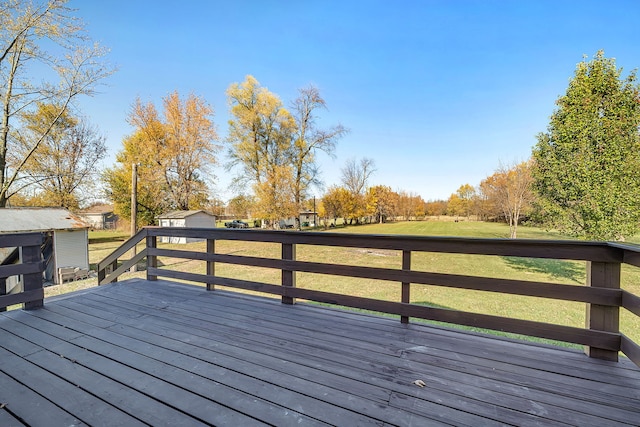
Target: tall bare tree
[45,57]
[309,139]
[355,176]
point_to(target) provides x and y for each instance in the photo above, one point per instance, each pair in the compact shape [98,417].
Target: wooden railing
[602,295]
[29,266]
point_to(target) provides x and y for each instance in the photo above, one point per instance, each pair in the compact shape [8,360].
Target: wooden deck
[160,353]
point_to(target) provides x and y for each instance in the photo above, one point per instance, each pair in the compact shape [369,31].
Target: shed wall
[71,248]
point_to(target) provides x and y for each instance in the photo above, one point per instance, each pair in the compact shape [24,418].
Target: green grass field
[529,308]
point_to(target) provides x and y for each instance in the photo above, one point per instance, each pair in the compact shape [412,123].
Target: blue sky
[438,93]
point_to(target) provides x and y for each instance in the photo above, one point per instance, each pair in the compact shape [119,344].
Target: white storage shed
[196,218]
[68,245]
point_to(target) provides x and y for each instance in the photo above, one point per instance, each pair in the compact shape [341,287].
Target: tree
[260,131]
[174,154]
[216,207]
[241,206]
[354,178]
[455,206]
[151,196]
[61,167]
[275,198]
[466,193]
[356,174]
[436,207]
[308,139]
[182,145]
[337,202]
[260,134]
[381,202]
[586,164]
[45,58]
[510,189]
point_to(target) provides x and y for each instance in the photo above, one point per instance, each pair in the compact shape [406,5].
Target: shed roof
[38,219]
[97,209]
[181,214]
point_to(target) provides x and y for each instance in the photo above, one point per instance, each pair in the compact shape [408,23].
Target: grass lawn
[529,308]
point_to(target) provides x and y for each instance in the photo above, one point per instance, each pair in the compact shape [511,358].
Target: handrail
[603,295]
[30,291]
[126,246]
[111,260]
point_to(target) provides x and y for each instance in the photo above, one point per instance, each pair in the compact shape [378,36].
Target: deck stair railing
[602,296]
[21,270]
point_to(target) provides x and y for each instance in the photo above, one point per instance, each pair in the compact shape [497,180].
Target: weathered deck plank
[164,353]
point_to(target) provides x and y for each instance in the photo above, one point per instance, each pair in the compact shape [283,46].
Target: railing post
[32,281]
[152,260]
[603,317]
[406,287]
[102,273]
[288,276]
[211,265]
[114,266]
[3,290]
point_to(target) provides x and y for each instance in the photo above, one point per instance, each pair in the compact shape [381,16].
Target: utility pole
[134,207]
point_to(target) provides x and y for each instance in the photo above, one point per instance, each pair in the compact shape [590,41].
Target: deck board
[155,353]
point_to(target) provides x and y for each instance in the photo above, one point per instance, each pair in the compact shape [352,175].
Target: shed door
[71,249]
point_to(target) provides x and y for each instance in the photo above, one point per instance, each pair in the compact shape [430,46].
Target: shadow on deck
[163,353]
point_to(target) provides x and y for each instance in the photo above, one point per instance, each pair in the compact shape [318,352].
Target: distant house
[198,219]
[67,245]
[100,217]
[308,219]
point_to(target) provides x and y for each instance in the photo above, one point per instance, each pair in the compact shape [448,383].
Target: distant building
[100,217]
[67,244]
[196,219]
[308,219]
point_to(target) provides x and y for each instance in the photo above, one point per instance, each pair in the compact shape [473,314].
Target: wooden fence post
[211,265]
[114,266]
[406,287]
[288,276]
[152,260]
[3,290]
[603,317]
[32,281]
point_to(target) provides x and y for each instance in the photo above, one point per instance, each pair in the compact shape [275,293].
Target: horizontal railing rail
[602,295]
[27,270]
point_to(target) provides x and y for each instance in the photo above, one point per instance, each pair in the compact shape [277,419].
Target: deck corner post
[603,317]
[33,281]
[211,265]
[152,260]
[406,286]
[288,276]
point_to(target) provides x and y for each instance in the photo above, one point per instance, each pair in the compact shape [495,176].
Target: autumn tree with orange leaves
[174,151]
[510,190]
